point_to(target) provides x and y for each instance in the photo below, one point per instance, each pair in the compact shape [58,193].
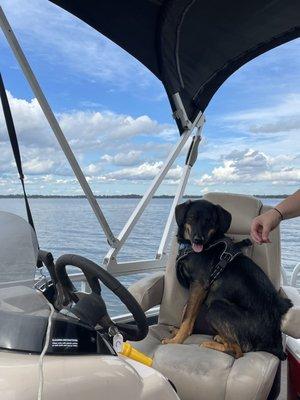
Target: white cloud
[30,123]
[37,166]
[145,171]
[252,166]
[84,129]
[96,138]
[90,127]
[289,106]
[281,117]
[123,159]
[247,161]
[222,174]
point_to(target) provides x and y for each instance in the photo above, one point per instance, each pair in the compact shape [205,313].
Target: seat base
[206,374]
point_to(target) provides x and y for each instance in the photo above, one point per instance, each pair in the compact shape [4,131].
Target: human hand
[263,224]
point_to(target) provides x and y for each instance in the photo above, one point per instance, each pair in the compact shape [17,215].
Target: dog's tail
[284,306]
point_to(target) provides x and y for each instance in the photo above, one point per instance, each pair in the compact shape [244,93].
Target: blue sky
[117,119]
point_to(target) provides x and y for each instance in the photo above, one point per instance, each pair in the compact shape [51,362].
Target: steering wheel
[90,307]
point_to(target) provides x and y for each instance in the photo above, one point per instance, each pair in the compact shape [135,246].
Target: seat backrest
[18,249]
[268,256]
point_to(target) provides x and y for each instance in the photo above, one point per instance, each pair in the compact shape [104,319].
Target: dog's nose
[198,239]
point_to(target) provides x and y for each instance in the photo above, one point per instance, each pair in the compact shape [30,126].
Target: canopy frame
[49,114]
[191,46]
[116,243]
[110,260]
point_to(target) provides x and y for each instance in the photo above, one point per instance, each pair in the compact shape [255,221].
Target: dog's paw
[173,330]
[218,339]
[233,350]
[208,344]
[166,340]
[171,340]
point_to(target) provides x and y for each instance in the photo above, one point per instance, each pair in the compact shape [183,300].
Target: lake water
[69,226]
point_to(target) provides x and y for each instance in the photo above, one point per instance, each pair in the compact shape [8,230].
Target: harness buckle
[226,257]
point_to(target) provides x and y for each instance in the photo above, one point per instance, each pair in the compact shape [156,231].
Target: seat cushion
[194,370]
[158,332]
[204,374]
[243,209]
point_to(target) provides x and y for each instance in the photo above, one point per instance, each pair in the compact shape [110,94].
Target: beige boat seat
[200,373]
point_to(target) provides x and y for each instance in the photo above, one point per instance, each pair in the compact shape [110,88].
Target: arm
[290,207]
[263,224]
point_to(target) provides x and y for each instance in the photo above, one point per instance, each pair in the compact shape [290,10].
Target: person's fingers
[265,233]
[256,231]
[262,226]
[255,225]
[254,235]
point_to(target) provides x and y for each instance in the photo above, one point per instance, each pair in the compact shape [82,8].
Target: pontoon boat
[58,342]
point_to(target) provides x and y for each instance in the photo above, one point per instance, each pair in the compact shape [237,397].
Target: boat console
[192,47]
[24,315]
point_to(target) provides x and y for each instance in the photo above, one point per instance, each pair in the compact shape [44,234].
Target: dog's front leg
[197,296]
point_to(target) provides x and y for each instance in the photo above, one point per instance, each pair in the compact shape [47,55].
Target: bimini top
[192,46]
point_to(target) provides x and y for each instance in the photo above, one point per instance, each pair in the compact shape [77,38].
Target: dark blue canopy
[192,46]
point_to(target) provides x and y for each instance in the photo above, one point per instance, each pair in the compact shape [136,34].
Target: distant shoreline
[126,196]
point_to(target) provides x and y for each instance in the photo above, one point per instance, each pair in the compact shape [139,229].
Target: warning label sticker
[62,342]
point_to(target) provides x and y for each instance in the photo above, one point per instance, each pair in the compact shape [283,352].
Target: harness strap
[231,250]
[14,144]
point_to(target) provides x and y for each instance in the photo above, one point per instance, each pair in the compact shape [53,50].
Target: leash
[230,252]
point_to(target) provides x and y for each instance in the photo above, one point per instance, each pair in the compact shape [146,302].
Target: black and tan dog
[242,306]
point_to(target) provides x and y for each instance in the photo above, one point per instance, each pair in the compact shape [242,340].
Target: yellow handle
[136,355]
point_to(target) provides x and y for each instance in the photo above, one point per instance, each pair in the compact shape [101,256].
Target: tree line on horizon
[121,196]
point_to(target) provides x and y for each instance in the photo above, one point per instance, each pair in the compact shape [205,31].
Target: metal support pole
[180,112]
[190,160]
[110,257]
[170,222]
[16,48]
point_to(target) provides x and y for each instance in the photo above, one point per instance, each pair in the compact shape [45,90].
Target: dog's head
[200,221]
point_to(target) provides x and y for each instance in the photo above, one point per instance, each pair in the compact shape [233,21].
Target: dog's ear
[180,212]
[224,218]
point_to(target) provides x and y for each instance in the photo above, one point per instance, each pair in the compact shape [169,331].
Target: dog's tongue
[197,247]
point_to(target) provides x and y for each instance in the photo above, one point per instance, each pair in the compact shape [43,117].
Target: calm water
[69,226]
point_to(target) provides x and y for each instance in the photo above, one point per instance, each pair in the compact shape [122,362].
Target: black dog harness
[231,250]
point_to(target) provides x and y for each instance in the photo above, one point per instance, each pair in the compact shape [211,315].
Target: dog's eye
[187,228]
[191,217]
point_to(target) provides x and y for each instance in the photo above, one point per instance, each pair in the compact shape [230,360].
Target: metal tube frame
[136,214]
[110,260]
[295,274]
[17,50]
[191,158]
